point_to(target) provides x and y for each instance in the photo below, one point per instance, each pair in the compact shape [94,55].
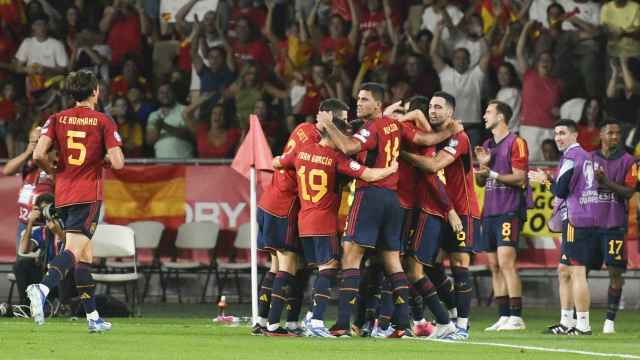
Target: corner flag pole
[254,245]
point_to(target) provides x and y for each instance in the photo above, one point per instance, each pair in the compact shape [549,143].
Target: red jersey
[278,198]
[459,175]
[407,173]
[434,199]
[35,182]
[380,139]
[82,137]
[317,168]
[341,48]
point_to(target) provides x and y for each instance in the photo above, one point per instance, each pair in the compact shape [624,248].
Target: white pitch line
[536,348]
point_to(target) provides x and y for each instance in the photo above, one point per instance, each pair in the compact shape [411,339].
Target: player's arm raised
[346,144]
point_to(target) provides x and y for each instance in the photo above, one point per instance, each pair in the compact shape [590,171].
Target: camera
[50,213]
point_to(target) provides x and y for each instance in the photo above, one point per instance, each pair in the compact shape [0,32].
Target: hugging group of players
[412,208]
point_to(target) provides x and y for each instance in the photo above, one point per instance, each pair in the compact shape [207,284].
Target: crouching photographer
[40,242]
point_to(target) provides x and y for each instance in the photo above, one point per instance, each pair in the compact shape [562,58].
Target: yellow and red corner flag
[254,151]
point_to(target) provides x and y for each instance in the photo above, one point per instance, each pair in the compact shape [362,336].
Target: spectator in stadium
[130,76]
[124,24]
[249,46]
[541,94]
[40,57]
[39,242]
[140,106]
[248,89]
[272,127]
[623,92]
[434,12]
[217,72]
[420,75]
[468,35]
[465,83]
[589,124]
[338,47]
[292,52]
[89,52]
[8,113]
[549,150]
[167,130]
[575,52]
[72,25]
[620,20]
[509,92]
[129,128]
[317,88]
[216,139]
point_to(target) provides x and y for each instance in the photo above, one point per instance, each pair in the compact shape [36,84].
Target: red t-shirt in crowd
[255,51]
[8,110]
[82,137]
[588,139]
[124,37]
[539,96]
[317,169]
[380,139]
[459,175]
[279,197]
[225,150]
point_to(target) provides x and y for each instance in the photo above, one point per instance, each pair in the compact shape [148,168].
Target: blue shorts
[278,233]
[375,219]
[80,218]
[464,241]
[319,250]
[499,230]
[593,247]
[425,244]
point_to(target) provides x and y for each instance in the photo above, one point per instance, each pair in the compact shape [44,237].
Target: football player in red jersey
[82,136]
[454,157]
[317,166]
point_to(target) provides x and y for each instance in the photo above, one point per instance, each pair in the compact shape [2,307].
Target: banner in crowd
[169,9]
[174,194]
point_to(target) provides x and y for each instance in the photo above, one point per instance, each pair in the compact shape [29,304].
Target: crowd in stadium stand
[182,89]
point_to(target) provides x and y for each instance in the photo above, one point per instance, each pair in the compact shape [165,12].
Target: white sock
[292,325]
[453,313]
[462,323]
[273,327]
[583,321]
[566,317]
[45,289]
[262,321]
[317,323]
[423,321]
[93,315]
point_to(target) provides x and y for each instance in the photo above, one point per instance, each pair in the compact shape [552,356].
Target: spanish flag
[487,10]
[138,193]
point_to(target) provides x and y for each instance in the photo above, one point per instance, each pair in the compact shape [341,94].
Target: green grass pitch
[187,332]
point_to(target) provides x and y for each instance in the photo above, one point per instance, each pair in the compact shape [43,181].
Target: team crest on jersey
[354,166]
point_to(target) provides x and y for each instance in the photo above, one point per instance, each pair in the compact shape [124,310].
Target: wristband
[493,174]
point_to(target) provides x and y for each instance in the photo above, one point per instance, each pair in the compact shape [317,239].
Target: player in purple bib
[616,173]
[503,170]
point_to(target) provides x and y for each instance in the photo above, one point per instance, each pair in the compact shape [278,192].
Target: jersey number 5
[317,181]
[392,152]
[73,144]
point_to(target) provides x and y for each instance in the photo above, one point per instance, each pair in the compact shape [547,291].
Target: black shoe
[257,330]
[280,331]
[575,332]
[558,329]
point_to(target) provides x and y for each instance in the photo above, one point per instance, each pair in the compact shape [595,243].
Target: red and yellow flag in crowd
[138,193]
[488,10]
